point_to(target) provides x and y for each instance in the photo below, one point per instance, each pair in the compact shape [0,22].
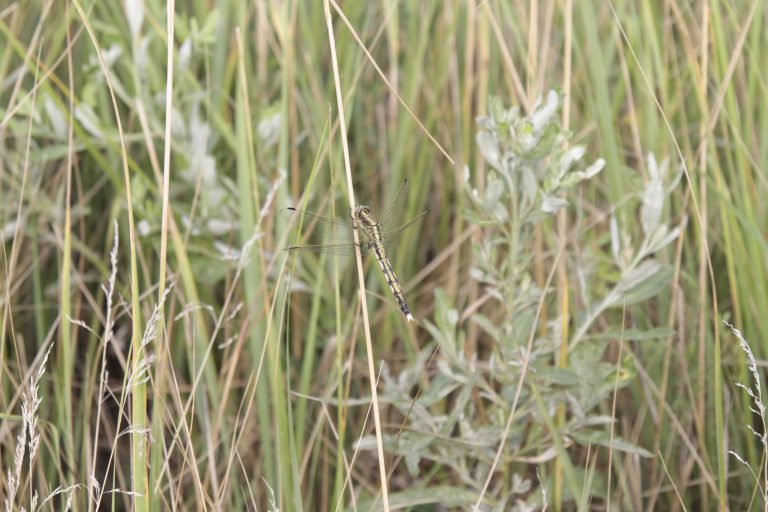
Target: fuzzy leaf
[134,14]
[542,114]
[595,168]
[550,204]
[530,185]
[489,148]
[431,498]
[662,237]
[493,192]
[572,156]
[653,197]
[601,438]
[645,281]
[486,325]
[657,333]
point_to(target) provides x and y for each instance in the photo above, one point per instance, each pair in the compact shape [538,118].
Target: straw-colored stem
[359,260]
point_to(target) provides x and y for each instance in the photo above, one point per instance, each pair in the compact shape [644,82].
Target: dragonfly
[375,236]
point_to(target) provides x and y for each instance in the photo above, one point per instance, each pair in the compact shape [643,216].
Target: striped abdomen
[394,284]
[373,229]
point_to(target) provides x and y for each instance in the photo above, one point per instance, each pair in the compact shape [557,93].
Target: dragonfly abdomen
[392,282]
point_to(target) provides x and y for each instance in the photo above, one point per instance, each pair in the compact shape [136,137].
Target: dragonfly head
[363,214]
[362,210]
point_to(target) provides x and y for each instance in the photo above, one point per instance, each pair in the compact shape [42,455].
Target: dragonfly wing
[308,219]
[318,233]
[390,236]
[329,235]
[340,249]
[396,204]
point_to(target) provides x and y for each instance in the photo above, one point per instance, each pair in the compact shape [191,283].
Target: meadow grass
[594,173]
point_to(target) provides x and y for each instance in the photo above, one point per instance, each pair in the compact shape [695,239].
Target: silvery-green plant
[532,162]
[458,419]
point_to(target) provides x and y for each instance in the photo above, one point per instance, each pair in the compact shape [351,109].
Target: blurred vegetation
[594,173]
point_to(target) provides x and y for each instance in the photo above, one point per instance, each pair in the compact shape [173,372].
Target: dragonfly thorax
[362,214]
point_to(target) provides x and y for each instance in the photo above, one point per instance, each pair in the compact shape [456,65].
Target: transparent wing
[320,233]
[325,234]
[334,236]
[294,216]
[340,249]
[389,236]
[396,204]
[309,218]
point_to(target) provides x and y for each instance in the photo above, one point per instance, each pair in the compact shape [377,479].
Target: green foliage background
[245,383]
